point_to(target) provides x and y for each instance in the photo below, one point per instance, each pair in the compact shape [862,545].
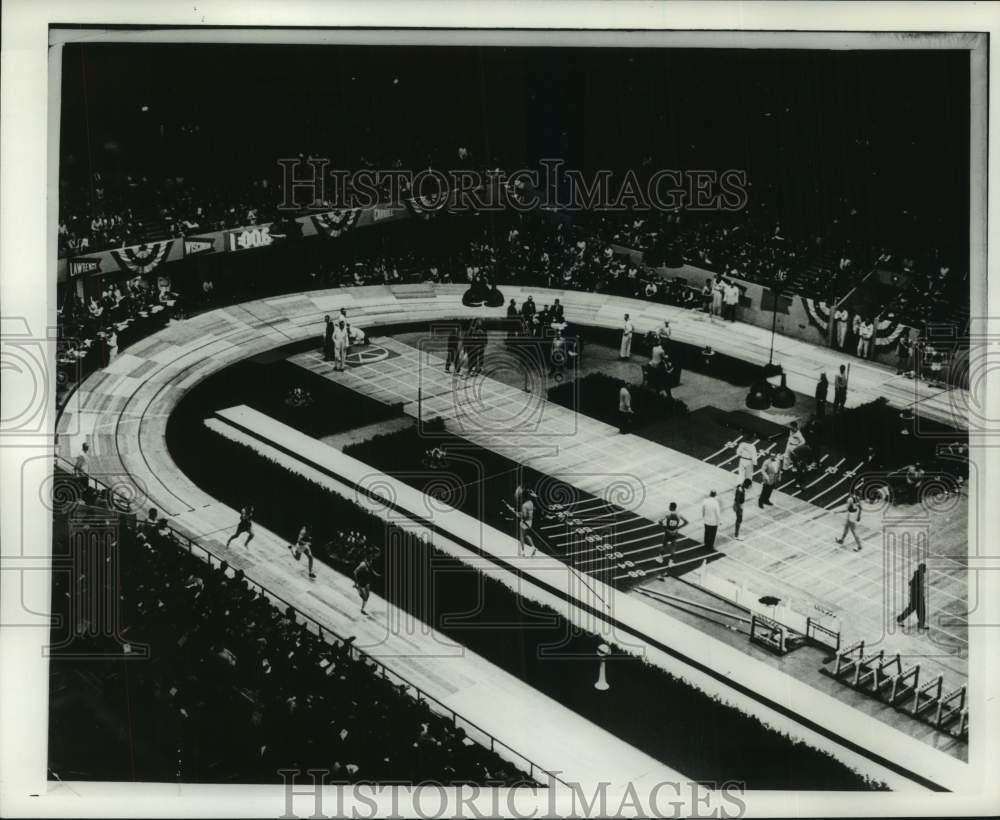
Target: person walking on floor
[917,599]
[706,298]
[452,359]
[851,518]
[771,475]
[739,499]
[840,390]
[327,338]
[625,353]
[625,413]
[795,440]
[711,516]
[822,390]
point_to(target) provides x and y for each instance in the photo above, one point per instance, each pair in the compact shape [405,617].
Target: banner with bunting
[887,328]
[334,223]
[140,259]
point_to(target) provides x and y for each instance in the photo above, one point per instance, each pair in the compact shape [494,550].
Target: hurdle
[769,634]
[930,690]
[822,635]
[884,678]
[947,711]
[866,668]
[962,730]
[848,658]
[904,684]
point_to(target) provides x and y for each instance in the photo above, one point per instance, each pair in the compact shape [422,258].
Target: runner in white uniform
[747,453]
[304,545]
[851,518]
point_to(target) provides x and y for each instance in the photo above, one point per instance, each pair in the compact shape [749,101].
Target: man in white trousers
[711,516]
[625,352]
[747,454]
[340,343]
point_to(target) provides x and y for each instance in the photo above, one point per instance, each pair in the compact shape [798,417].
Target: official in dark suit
[918,598]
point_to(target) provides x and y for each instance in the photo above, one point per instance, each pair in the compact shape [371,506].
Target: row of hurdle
[884,677]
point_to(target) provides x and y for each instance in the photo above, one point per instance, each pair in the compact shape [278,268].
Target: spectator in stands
[81,466]
[558,314]
[914,482]
[865,334]
[207,292]
[904,352]
[111,340]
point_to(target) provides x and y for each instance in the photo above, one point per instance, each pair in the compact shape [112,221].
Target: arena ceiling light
[759,396]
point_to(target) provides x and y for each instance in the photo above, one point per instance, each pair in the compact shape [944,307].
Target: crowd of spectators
[755,246]
[246,689]
[116,211]
[588,253]
[923,291]
[92,330]
[752,244]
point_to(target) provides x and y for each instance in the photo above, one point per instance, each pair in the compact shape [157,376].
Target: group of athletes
[467,350]
[364,573]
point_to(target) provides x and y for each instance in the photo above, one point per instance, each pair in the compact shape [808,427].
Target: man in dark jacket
[452,350]
[327,339]
[822,389]
[918,598]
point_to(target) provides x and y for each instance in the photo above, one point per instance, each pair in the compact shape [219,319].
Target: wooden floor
[720,669]
[122,413]
[787,551]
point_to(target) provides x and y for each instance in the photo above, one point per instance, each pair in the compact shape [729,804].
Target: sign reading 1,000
[254,236]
